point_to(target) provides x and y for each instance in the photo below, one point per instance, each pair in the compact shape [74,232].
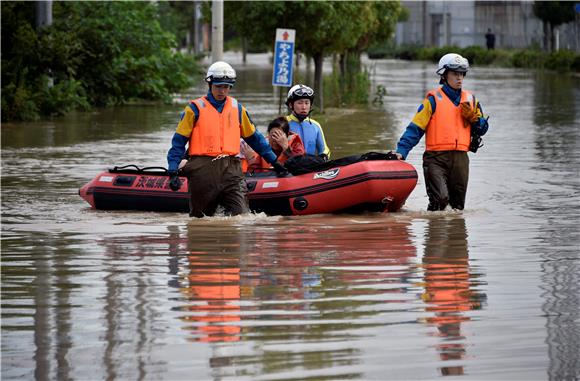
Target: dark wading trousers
[214,182]
[446,175]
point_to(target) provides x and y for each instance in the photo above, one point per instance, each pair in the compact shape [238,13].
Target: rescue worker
[284,143]
[299,102]
[453,121]
[213,126]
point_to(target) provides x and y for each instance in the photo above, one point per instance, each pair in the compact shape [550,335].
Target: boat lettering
[327,175]
[271,184]
[106,179]
[152,182]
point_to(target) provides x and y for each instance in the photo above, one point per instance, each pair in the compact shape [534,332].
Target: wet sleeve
[176,151]
[416,129]
[181,137]
[409,139]
[254,138]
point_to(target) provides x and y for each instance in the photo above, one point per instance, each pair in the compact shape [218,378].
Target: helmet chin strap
[301,117]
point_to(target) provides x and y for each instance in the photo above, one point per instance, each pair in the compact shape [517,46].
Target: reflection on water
[556,119]
[488,293]
[449,284]
[556,100]
[557,143]
[285,288]
[213,284]
[82,127]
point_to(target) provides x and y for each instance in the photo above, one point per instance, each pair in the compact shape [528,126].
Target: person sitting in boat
[213,126]
[299,102]
[284,143]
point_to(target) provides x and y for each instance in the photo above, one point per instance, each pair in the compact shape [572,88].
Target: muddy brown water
[492,292]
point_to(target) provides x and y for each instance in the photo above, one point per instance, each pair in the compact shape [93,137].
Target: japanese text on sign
[283,57]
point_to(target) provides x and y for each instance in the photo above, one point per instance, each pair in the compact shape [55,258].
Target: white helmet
[221,73]
[453,62]
[299,92]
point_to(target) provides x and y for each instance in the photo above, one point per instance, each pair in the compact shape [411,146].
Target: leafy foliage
[340,91]
[322,27]
[94,54]
[176,17]
[554,12]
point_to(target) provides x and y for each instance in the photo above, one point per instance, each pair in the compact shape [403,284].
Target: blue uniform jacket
[311,134]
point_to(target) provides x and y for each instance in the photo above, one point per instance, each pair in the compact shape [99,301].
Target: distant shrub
[479,56]
[561,60]
[382,50]
[528,58]
[576,63]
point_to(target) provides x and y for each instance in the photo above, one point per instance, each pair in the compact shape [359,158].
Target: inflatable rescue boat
[364,185]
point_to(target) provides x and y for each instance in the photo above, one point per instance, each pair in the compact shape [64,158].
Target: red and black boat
[365,185]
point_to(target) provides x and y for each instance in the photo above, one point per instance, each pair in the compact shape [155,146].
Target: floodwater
[492,292]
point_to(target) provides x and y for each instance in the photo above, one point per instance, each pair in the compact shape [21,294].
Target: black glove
[394,155]
[174,182]
[281,171]
[323,156]
[476,143]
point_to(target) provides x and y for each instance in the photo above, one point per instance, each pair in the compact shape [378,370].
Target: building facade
[465,23]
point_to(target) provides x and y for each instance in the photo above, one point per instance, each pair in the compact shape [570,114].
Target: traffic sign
[283,57]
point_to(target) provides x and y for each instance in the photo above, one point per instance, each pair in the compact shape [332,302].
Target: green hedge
[529,58]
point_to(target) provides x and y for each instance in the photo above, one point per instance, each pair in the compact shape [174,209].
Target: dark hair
[280,122]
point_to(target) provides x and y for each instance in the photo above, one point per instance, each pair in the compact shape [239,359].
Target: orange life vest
[294,143]
[215,133]
[217,293]
[244,162]
[447,130]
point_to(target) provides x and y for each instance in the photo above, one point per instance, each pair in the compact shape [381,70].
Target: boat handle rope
[136,168]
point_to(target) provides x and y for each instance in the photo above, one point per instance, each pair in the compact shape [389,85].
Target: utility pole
[43,18]
[445,25]
[43,13]
[217,30]
[197,29]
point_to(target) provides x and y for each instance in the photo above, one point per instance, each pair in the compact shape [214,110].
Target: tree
[177,18]
[379,19]
[553,14]
[322,27]
[97,53]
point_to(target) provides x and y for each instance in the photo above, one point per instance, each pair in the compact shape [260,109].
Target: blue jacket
[311,134]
